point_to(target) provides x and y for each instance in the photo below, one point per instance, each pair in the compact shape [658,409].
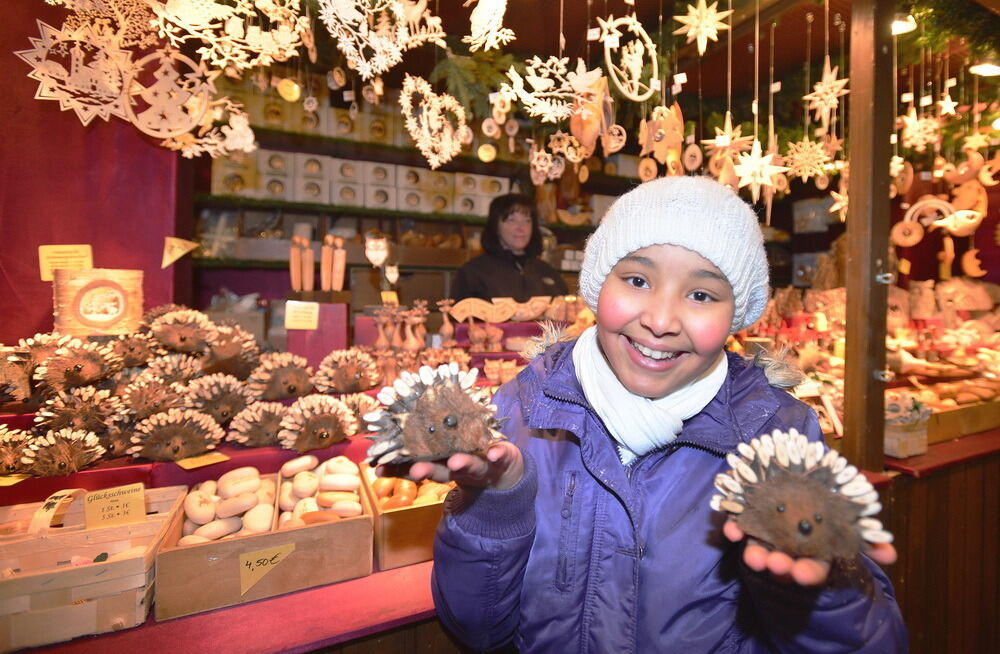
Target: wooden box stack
[45,599]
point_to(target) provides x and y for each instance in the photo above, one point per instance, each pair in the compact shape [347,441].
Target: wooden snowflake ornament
[793,496]
[826,95]
[626,71]
[919,131]
[81,69]
[435,122]
[806,158]
[233,33]
[487,30]
[702,23]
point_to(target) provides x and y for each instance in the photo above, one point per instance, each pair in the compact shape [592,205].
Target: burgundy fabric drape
[60,182]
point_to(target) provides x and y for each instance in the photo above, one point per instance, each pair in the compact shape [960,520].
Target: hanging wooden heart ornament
[435,122]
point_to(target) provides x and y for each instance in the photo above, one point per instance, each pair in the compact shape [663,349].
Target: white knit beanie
[696,213]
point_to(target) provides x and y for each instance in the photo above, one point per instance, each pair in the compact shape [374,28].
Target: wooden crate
[403,536]
[196,578]
[955,423]
[49,600]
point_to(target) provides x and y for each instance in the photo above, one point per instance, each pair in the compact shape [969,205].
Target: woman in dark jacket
[509,265]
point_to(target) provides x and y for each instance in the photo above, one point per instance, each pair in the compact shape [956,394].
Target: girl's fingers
[882,553]
[732,531]
[810,572]
[779,563]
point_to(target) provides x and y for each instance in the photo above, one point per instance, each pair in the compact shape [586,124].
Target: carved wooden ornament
[625,62]
[438,128]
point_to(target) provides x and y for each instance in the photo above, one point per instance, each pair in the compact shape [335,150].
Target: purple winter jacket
[586,555]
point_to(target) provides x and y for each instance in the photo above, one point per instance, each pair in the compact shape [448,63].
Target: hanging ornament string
[826,28]
[805,107]
[842,27]
[895,97]
[659,48]
[587,41]
[756,66]
[770,85]
[729,61]
[562,35]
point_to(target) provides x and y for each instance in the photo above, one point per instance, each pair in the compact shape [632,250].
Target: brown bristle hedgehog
[172,369]
[160,310]
[134,350]
[220,396]
[187,332]
[174,435]
[75,366]
[146,397]
[257,425]
[346,371]
[15,376]
[12,445]
[117,440]
[430,416]
[80,409]
[361,404]
[233,351]
[791,495]
[315,422]
[281,376]
[62,452]
[42,346]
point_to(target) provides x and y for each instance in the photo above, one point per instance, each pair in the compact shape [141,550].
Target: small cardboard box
[403,536]
[380,197]
[340,125]
[48,600]
[379,174]
[902,441]
[202,577]
[415,200]
[347,171]
[235,174]
[347,194]
[376,128]
[472,205]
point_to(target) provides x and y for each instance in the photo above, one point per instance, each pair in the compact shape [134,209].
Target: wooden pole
[870,124]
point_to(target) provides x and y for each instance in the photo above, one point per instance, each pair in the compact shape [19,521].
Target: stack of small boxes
[572,260]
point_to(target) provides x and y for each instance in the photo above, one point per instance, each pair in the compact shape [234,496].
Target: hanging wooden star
[947,105]
[975,141]
[438,128]
[826,94]
[779,183]
[919,131]
[806,158]
[756,170]
[702,23]
[832,145]
[632,57]
[567,145]
[728,141]
[371,34]
[840,203]
[82,70]
[544,166]
[487,27]
[552,89]
[234,33]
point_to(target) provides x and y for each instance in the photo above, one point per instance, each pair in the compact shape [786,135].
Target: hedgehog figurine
[281,376]
[233,351]
[134,350]
[175,434]
[257,425]
[346,371]
[220,396]
[15,376]
[789,493]
[160,310]
[315,422]
[42,346]
[80,409]
[361,404]
[430,416]
[172,369]
[149,396]
[63,452]
[12,445]
[73,366]
[186,331]
[117,440]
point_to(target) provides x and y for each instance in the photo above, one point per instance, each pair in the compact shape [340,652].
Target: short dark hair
[501,208]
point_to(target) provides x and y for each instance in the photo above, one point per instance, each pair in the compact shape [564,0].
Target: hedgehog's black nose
[292,389]
[805,527]
[176,448]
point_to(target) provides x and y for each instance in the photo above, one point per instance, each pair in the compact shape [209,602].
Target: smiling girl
[590,530]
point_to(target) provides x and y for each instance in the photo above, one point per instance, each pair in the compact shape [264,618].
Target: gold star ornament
[756,170]
[702,23]
[826,94]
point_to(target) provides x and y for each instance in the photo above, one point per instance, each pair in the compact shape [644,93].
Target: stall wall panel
[60,182]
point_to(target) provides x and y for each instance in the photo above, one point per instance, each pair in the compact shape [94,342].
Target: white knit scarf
[638,424]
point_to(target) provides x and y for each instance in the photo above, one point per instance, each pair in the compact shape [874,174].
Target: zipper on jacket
[567,535]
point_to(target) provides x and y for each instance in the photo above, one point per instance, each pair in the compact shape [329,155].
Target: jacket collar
[552,398]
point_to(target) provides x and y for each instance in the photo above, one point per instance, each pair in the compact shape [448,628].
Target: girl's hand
[501,468]
[803,571]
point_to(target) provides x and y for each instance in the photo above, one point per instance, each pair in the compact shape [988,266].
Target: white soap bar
[295,466]
[236,505]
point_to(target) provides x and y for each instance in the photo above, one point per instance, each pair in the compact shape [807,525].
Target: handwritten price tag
[254,565]
[301,315]
[73,257]
[115,506]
